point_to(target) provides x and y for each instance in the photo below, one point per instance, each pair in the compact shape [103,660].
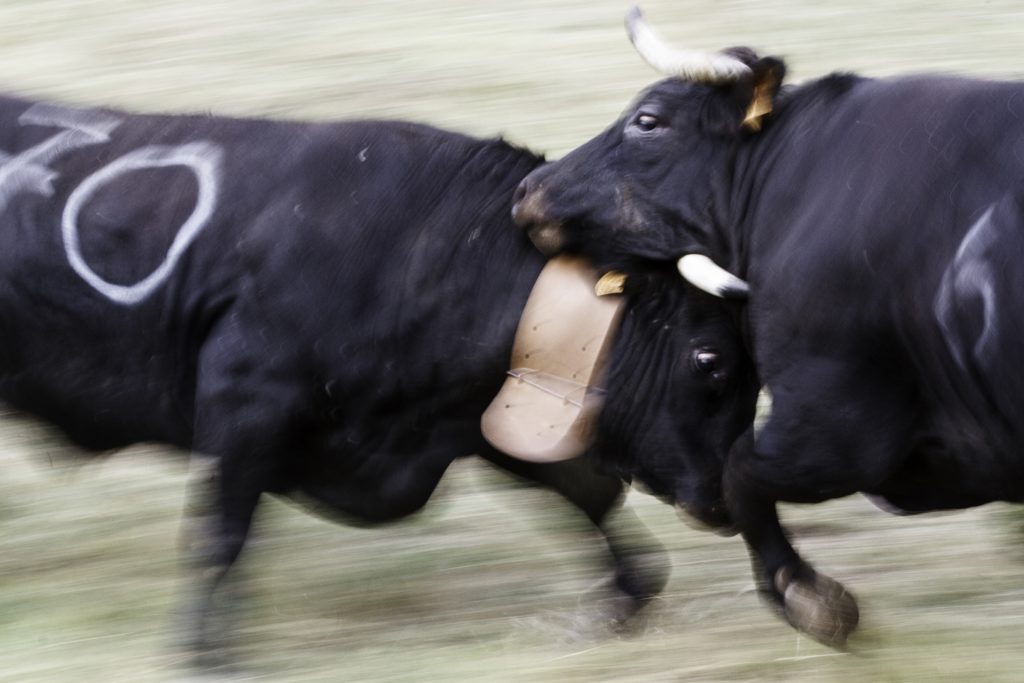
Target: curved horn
[690,65]
[703,273]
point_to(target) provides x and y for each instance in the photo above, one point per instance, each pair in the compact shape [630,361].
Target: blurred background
[493,581]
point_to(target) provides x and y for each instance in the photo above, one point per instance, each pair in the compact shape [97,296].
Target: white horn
[690,65]
[703,273]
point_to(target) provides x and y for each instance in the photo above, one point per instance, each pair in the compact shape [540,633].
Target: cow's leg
[810,601]
[832,432]
[641,564]
[220,516]
[245,413]
[224,502]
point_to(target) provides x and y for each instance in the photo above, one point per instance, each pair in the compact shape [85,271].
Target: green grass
[492,582]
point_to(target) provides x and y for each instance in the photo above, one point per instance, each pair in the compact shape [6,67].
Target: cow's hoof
[642,575]
[639,578]
[212,662]
[817,605]
[620,615]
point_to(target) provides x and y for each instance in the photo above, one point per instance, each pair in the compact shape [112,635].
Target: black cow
[325,308]
[878,228]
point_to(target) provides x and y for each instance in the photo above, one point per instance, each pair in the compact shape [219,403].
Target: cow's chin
[713,518]
[704,513]
[549,238]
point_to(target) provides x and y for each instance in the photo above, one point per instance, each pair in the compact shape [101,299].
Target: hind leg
[640,563]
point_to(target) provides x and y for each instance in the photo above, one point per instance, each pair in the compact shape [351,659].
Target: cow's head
[681,389]
[654,184]
[644,197]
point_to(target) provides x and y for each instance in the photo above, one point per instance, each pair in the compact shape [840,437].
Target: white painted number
[29,171]
[202,158]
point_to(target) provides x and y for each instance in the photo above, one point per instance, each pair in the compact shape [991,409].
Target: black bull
[326,309]
[879,226]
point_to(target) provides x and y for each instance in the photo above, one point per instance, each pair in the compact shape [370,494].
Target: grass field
[493,581]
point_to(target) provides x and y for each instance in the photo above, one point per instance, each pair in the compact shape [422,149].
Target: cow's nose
[530,210]
[528,203]
[520,193]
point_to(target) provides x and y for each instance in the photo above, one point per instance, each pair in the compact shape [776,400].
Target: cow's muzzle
[531,210]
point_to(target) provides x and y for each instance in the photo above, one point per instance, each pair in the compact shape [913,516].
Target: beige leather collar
[548,408]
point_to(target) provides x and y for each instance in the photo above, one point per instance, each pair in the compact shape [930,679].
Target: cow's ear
[741,105]
[767,74]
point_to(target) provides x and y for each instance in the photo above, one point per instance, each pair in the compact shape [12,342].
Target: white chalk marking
[202,158]
[969,274]
[28,171]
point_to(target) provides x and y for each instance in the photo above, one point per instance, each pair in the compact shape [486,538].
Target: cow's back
[130,239]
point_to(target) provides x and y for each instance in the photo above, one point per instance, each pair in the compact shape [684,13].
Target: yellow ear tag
[612,282]
[759,107]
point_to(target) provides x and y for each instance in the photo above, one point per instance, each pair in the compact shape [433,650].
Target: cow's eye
[647,122]
[704,360]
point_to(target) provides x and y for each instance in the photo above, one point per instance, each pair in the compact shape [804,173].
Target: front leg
[216,528]
[835,429]
[640,563]
[244,427]
[811,602]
